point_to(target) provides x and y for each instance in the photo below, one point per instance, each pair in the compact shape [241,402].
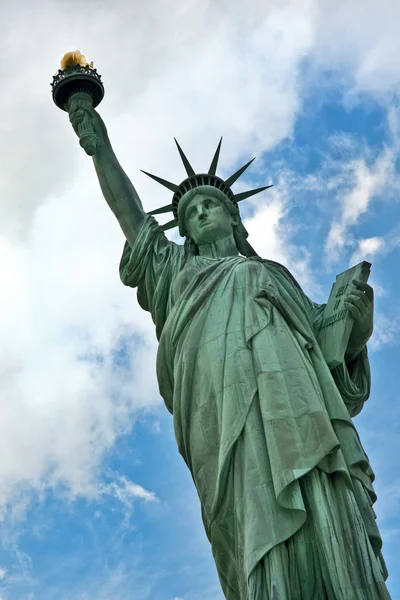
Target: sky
[95,501]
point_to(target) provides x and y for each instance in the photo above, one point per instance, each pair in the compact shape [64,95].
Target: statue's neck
[220,248]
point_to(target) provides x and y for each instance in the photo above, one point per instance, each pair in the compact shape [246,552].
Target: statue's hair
[239,231]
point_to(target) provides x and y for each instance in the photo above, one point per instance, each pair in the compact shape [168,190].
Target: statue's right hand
[81,112]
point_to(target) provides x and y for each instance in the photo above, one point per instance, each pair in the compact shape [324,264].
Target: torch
[79,83]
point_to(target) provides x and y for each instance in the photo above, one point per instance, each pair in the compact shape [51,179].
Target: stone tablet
[337,322]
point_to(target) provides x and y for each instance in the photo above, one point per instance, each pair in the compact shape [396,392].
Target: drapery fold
[263,425]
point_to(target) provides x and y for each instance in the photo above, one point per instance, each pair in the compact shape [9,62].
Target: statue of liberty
[263,424]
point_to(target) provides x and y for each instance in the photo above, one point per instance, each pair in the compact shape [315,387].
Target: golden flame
[71,59]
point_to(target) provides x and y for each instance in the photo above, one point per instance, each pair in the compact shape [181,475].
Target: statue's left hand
[360,304]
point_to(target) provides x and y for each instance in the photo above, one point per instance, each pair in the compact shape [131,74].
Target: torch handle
[86,133]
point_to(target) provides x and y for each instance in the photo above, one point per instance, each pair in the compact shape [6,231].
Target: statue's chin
[210,233]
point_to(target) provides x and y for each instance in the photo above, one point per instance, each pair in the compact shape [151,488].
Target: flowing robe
[263,425]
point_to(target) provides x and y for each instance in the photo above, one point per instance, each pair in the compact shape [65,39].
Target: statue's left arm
[360,304]
[352,376]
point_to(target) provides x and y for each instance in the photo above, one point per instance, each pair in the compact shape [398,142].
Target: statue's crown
[195,180]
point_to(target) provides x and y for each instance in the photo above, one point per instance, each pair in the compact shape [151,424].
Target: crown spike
[169,225]
[238,173]
[160,211]
[186,163]
[244,195]
[214,163]
[171,186]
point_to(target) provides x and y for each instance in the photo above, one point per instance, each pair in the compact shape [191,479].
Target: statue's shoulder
[279,271]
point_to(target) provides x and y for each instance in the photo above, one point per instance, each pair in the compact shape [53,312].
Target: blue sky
[95,501]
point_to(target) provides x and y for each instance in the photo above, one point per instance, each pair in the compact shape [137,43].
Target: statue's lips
[205,223]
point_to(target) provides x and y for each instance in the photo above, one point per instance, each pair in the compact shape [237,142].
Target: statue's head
[206,214]
[203,205]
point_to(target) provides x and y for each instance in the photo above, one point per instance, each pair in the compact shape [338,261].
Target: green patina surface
[262,422]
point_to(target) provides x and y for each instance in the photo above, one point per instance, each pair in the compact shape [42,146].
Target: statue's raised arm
[116,186]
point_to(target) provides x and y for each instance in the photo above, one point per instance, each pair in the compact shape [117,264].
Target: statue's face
[207,219]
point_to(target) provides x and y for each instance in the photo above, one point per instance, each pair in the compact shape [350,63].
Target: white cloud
[196,71]
[126,491]
[64,399]
[349,37]
[364,183]
[386,331]
[367,249]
